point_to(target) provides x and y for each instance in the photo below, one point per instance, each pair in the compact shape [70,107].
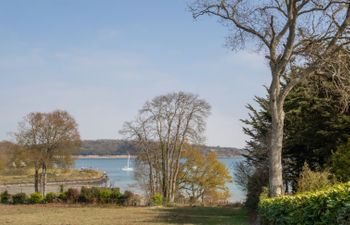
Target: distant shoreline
[131,156]
[103,156]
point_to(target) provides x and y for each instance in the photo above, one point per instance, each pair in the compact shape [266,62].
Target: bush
[89,195]
[343,217]
[312,181]
[36,198]
[19,198]
[51,197]
[72,195]
[5,197]
[62,196]
[328,206]
[105,195]
[157,199]
[99,195]
[116,195]
[130,199]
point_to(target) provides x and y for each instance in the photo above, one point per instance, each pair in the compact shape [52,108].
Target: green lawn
[79,215]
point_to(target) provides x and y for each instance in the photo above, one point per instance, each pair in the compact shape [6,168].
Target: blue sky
[101,60]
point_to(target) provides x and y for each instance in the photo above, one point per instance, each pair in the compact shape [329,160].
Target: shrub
[19,198]
[89,195]
[99,195]
[327,206]
[343,217]
[36,198]
[157,199]
[105,195]
[130,199]
[5,197]
[116,195]
[311,181]
[72,195]
[62,196]
[51,197]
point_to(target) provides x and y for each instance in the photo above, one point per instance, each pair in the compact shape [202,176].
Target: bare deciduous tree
[51,138]
[300,38]
[161,129]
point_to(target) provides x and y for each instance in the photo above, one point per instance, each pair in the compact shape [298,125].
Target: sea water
[125,179]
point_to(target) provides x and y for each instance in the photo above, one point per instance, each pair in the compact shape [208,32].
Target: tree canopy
[162,128]
[50,138]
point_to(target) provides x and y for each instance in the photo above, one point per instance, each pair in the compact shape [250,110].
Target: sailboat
[127,167]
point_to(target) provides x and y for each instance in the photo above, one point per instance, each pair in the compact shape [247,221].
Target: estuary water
[125,179]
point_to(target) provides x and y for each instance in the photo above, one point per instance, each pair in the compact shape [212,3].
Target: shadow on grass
[203,216]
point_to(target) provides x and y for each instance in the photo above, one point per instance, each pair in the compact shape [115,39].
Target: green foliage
[72,195]
[314,126]
[312,181]
[89,195]
[341,162]
[328,206]
[5,197]
[19,198]
[50,197]
[255,186]
[36,198]
[100,195]
[105,195]
[157,199]
[116,195]
[343,217]
[63,196]
[253,171]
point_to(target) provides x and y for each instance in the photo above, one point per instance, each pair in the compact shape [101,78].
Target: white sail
[127,167]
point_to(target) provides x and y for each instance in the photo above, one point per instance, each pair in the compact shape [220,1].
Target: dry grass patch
[79,215]
[54,175]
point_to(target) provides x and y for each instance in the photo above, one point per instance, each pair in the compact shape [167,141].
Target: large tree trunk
[275,151]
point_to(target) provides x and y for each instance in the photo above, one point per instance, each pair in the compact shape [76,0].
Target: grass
[112,215]
[54,175]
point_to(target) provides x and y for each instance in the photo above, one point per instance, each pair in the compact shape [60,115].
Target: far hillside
[123,147]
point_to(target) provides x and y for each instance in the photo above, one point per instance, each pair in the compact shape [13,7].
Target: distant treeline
[123,147]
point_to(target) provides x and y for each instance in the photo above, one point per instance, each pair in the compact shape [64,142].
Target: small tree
[341,162]
[203,177]
[312,180]
[50,138]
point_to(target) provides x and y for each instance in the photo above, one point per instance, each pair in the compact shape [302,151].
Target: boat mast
[128,160]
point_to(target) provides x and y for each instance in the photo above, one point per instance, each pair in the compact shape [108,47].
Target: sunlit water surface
[126,181]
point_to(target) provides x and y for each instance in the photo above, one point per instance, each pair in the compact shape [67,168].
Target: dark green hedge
[329,206]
